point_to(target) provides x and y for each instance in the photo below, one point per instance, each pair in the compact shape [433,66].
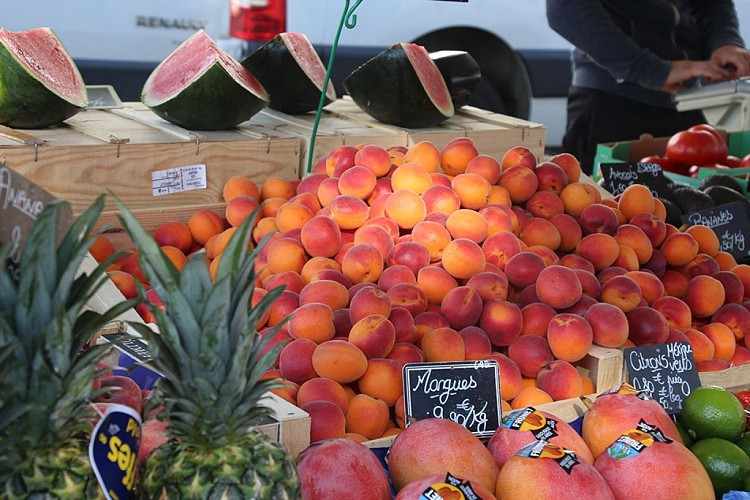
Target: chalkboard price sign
[467,392]
[666,372]
[21,202]
[731,224]
[618,176]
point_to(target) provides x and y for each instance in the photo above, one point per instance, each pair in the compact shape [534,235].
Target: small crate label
[665,372]
[178,180]
[466,392]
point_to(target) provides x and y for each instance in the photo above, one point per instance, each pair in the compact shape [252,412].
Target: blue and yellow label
[113,451]
[633,442]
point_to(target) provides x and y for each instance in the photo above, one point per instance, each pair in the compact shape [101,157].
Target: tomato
[732,161]
[744,397]
[745,161]
[696,147]
[713,131]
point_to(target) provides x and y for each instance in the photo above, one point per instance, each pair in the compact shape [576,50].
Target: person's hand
[685,70]
[734,59]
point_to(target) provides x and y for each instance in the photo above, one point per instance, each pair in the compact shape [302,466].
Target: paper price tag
[178,180]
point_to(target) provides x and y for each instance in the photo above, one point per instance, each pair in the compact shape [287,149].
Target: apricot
[570,336]
[327,421]
[560,380]
[520,182]
[295,360]
[456,155]
[443,344]
[530,353]
[558,286]
[374,335]
[406,208]
[465,223]
[609,325]
[367,416]
[425,154]
[339,360]
[382,380]
[463,258]
[704,295]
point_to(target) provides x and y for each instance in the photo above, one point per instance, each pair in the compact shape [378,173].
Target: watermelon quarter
[291,70]
[401,86]
[199,86]
[40,84]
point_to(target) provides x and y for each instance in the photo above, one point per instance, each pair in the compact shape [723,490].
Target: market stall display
[455,242]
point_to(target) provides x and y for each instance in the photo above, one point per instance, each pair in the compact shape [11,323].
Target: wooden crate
[733,379]
[123,149]
[289,425]
[343,123]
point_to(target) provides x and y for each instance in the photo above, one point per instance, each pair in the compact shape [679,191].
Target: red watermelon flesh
[429,75]
[308,60]
[40,84]
[197,55]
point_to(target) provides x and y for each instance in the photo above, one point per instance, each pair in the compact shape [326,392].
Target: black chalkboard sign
[618,176]
[21,202]
[134,347]
[731,224]
[467,392]
[666,372]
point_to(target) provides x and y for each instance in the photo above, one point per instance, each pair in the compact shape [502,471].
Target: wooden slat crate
[492,133]
[733,379]
[120,150]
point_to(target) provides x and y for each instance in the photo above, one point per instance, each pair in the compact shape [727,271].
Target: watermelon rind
[200,87]
[32,94]
[391,89]
[291,70]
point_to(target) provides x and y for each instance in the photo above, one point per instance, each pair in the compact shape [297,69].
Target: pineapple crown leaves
[44,322]
[208,348]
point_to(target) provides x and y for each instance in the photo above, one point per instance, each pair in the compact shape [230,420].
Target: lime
[744,443]
[711,411]
[726,463]
[687,440]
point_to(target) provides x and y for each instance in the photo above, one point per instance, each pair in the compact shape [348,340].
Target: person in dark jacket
[629,59]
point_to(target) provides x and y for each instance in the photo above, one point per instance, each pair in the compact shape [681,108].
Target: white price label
[177,180]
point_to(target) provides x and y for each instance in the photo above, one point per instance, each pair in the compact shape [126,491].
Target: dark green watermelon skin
[25,102]
[387,88]
[290,89]
[215,101]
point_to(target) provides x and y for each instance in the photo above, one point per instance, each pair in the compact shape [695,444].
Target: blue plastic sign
[113,451]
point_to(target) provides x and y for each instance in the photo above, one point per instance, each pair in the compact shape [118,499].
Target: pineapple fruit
[45,376]
[212,357]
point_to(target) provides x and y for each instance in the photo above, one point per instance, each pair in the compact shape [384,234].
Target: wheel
[504,87]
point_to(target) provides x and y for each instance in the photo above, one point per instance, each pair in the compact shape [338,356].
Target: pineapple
[211,356]
[45,378]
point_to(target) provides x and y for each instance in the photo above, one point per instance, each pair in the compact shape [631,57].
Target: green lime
[711,411]
[687,440]
[744,443]
[726,463]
